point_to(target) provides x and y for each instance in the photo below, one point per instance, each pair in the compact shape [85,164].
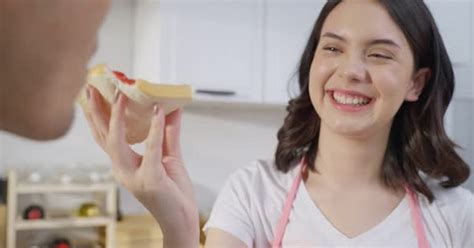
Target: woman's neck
[349,162]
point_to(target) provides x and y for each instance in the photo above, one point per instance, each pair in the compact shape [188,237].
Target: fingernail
[116,94]
[156,109]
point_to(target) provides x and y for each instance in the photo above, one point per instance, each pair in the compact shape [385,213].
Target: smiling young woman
[401,71]
[366,134]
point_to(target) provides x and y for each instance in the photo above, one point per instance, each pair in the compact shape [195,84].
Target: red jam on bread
[123,78]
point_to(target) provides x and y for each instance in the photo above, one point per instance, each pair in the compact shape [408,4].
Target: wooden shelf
[107,190]
[63,223]
[63,188]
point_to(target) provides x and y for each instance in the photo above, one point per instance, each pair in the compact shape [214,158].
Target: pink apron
[284,218]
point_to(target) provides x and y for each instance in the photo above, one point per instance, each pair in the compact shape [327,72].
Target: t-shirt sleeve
[231,211]
[467,227]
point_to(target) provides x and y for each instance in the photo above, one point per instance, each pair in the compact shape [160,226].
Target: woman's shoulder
[456,202]
[449,196]
[454,207]
[261,175]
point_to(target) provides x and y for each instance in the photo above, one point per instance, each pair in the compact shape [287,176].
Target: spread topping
[122,77]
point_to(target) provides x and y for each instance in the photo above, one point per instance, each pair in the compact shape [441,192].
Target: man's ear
[417,84]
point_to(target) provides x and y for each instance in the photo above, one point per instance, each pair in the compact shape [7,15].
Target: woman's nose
[352,70]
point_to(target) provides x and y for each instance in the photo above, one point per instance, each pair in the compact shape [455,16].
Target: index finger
[119,150]
[154,143]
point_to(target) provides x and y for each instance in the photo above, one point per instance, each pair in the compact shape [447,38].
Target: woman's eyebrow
[384,42]
[389,42]
[334,36]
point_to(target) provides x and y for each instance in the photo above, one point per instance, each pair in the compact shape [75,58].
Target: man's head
[45,47]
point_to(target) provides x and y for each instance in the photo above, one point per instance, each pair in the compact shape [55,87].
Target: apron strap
[417,218]
[285,216]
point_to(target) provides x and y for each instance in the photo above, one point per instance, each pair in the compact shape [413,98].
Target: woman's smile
[349,101]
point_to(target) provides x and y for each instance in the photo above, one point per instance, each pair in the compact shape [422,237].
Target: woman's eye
[331,49]
[379,56]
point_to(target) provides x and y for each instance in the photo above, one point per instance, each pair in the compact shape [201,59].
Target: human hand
[158,178]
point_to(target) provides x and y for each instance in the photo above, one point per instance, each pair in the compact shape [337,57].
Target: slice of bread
[142,97]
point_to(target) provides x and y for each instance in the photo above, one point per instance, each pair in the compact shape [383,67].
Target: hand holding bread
[158,178]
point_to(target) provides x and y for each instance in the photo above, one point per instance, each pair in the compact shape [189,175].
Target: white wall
[461,111]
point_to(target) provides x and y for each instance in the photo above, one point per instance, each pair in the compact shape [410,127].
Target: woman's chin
[351,129]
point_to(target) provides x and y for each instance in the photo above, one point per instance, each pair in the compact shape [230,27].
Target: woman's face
[362,70]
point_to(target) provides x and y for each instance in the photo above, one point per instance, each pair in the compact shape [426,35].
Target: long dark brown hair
[418,140]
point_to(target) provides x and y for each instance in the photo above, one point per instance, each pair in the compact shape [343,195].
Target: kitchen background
[247,47]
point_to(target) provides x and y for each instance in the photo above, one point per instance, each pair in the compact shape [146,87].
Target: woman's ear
[417,84]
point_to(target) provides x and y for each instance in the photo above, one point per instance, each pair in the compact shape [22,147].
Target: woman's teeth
[350,100]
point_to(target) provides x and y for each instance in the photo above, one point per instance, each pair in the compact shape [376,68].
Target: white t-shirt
[250,204]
